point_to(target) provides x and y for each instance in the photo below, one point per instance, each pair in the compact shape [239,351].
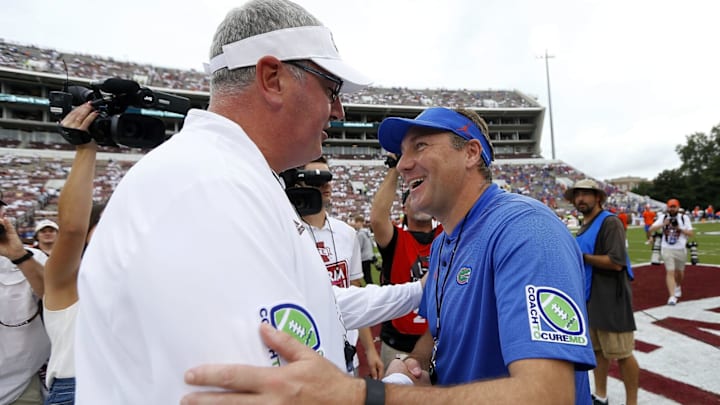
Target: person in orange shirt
[623,217]
[648,218]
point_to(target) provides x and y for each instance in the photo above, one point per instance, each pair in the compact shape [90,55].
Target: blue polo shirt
[514,291]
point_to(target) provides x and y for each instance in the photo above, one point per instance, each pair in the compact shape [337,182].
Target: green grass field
[707,236]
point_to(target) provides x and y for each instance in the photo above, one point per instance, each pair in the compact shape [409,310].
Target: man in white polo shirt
[199,244]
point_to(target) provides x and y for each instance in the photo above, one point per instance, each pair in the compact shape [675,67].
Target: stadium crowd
[94,67]
[31,186]
[247,192]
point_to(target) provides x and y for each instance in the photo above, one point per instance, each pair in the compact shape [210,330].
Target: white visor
[310,42]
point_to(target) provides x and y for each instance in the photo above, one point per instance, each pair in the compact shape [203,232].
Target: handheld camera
[114,126]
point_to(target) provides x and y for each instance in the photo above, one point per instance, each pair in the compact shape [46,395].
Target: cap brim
[353,80]
[570,193]
[392,131]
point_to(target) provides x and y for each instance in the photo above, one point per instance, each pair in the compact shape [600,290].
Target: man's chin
[422,217]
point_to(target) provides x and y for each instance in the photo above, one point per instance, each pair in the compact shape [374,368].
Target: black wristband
[75,136]
[28,254]
[374,392]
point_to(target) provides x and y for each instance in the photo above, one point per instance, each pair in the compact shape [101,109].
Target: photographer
[25,345]
[339,248]
[676,228]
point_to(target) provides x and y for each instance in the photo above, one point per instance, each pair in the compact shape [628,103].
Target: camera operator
[676,228]
[339,247]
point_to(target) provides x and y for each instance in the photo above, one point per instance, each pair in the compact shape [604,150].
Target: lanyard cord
[439,300]
[332,237]
[349,350]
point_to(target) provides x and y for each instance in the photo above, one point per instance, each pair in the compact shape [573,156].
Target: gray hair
[253,18]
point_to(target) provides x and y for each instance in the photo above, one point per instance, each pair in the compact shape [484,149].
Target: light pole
[547,75]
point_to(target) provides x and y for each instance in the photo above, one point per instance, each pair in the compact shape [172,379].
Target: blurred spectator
[46,232]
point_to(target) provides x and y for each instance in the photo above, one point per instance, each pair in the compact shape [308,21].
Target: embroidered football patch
[297,322]
[554,316]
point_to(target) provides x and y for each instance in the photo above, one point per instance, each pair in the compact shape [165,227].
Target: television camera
[114,126]
[307,200]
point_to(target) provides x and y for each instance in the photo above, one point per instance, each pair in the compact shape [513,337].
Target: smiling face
[433,170]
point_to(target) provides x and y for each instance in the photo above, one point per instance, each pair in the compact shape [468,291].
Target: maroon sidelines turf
[649,291]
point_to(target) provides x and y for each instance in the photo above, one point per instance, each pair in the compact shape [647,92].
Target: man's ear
[473,151]
[270,78]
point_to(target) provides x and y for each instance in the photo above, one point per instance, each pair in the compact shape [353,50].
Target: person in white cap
[46,233]
[199,244]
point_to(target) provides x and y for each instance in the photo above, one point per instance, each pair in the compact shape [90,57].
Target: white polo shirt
[339,248]
[23,349]
[197,247]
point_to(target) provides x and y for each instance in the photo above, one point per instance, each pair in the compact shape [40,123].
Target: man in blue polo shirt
[504,296]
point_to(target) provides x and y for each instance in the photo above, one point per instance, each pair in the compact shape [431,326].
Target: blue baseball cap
[392,130]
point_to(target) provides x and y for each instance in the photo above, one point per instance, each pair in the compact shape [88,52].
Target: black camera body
[694,257]
[673,221]
[114,126]
[307,200]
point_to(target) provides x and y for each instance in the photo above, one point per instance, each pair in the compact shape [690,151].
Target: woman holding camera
[77,218]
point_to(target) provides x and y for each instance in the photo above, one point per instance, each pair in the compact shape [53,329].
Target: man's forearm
[33,272]
[423,349]
[380,211]
[366,339]
[384,197]
[602,262]
[536,381]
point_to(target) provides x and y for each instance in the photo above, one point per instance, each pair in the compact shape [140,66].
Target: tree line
[697,180]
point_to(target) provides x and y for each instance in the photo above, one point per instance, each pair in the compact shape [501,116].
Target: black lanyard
[439,299]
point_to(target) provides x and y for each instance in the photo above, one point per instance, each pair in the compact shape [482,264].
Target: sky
[629,79]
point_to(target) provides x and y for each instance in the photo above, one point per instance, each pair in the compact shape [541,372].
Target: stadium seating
[28,57]
[30,179]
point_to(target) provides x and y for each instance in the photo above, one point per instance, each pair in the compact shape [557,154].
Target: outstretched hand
[304,380]
[10,244]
